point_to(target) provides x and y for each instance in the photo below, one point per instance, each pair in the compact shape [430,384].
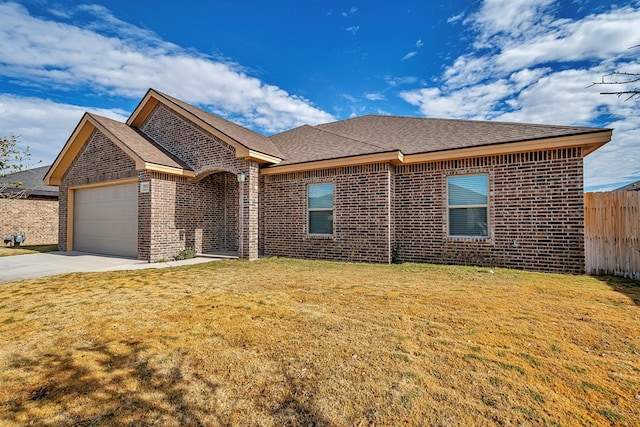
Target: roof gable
[146,154]
[247,143]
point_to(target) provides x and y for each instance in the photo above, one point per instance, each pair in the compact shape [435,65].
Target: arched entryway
[213,217]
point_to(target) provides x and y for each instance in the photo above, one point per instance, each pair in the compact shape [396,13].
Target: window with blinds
[468,205]
[320,208]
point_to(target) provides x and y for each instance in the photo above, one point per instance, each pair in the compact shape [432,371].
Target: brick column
[248,205]
[145,209]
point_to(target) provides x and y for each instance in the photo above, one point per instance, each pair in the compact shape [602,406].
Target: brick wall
[192,144]
[202,215]
[384,212]
[205,154]
[36,217]
[536,215]
[100,160]
[362,225]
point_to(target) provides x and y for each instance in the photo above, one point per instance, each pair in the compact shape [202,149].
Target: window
[468,205]
[320,208]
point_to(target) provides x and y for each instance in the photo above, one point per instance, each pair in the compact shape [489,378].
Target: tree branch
[11,192]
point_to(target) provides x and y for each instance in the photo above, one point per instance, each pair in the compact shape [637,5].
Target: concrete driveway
[18,267]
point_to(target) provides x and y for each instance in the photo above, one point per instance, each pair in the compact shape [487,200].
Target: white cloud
[469,104]
[528,65]
[397,81]
[602,36]
[65,56]
[511,18]
[408,56]
[353,29]
[350,12]
[616,162]
[419,44]
[374,96]
[455,18]
[44,125]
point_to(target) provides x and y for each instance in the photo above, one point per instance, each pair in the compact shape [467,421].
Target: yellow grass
[26,249]
[286,342]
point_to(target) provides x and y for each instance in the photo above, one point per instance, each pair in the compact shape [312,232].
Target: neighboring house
[634,186]
[367,189]
[29,206]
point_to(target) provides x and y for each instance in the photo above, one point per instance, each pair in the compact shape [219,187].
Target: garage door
[105,220]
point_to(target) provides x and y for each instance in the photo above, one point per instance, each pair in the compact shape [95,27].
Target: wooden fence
[612,233]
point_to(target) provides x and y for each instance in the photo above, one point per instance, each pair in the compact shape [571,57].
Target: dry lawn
[26,249]
[286,342]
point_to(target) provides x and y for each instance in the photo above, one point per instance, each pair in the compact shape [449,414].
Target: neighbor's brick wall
[536,212]
[204,153]
[362,224]
[36,217]
[100,160]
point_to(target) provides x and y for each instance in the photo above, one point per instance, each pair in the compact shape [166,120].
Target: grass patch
[529,358]
[586,385]
[290,342]
[494,381]
[9,320]
[509,367]
[27,249]
[528,412]
[536,397]
[611,415]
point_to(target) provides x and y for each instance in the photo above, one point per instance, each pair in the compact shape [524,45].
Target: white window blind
[468,205]
[320,208]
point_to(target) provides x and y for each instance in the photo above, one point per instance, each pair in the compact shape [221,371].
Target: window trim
[485,206]
[331,209]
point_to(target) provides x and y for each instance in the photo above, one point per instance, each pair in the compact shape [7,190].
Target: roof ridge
[450,119]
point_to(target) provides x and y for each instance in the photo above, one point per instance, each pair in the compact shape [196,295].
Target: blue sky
[273,65]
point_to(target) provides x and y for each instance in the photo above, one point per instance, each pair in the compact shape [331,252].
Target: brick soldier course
[215,186]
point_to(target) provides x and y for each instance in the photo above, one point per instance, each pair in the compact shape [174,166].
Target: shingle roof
[310,143]
[31,182]
[250,139]
[411,135]
[634,186]
[143,147]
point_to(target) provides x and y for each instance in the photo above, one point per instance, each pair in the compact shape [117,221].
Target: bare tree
[624,82]
[12,159]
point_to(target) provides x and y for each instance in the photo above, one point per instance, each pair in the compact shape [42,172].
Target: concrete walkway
[31,266]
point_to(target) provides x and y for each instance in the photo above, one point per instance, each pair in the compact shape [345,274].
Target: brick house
[29,207]
[368,189]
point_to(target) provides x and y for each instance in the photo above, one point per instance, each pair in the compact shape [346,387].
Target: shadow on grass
[95,386]
[627,287]
[119,389]
[296,408]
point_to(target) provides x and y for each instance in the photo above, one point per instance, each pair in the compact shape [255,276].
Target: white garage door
[106,220]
